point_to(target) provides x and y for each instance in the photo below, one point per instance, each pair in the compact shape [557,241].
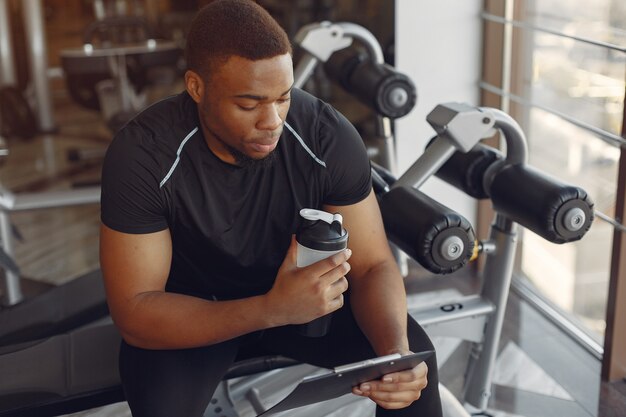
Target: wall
[437,45]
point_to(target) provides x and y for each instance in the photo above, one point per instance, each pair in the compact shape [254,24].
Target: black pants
[181,382]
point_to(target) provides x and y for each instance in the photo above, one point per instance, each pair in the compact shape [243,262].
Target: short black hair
[224,28]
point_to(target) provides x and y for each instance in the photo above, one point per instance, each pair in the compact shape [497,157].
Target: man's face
[243,106]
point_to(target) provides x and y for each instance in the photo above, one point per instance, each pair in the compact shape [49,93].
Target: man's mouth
[264,147]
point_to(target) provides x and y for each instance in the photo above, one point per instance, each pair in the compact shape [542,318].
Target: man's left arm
[378,301]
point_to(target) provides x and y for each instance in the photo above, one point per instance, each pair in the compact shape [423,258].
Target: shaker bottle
[320,235]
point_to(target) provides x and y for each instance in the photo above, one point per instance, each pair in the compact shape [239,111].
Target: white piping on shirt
[180,149]
[190,134]
[306,148]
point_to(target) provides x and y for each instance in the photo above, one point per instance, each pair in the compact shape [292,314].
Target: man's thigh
[344,342]
[173,382]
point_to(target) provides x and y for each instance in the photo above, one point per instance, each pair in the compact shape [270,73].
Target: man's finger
[320,268]
[419,372]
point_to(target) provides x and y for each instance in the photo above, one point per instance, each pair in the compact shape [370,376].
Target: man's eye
[246,108]
[284,100]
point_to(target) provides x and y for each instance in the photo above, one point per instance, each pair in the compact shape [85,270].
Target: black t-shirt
[230,226]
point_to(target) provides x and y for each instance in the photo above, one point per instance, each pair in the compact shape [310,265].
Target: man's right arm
[136,267]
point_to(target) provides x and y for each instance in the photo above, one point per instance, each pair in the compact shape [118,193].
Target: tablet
[340,381]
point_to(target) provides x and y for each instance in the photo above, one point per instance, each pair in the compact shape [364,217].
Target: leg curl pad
[440,239]
[556,211]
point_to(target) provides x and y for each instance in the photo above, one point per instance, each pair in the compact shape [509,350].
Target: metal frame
[614,361]
[10,202]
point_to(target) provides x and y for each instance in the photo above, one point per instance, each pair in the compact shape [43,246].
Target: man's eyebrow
[259,98]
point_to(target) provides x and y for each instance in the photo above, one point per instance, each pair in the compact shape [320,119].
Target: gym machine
[119,59]
[441,241]
[67,371]
[76,369]
[364,75]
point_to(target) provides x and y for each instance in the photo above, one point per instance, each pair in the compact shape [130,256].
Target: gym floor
[540,371]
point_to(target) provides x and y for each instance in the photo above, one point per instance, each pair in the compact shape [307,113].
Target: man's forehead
[241,76]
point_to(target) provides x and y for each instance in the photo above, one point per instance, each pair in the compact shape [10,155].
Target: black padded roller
[440,239]
[465,171]
[555,211]
[379,86]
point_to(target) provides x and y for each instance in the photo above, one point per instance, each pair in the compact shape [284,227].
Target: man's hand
[300,295]
[396,390]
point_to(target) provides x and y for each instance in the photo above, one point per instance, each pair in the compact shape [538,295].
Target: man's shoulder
[304,104]
[157,132]
[176,110]
[306,110]
[164,124]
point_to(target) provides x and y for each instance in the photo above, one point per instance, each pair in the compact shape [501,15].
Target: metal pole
[304,69]
[495,288]
[35,34]
[12,286]
[387,155]
[7,69]
[428,163]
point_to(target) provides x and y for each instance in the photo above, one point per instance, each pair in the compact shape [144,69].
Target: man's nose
[270,118]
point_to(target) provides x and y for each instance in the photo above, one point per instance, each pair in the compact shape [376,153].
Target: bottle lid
[322,231]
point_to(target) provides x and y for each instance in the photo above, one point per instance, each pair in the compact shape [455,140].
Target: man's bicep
[133,264]
[367,238]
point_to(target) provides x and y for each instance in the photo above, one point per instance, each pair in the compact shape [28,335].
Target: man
[200,200]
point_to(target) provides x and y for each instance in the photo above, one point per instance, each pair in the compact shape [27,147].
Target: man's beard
[243,160]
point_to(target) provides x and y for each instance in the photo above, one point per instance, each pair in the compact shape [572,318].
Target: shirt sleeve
[131,199]
[348,166]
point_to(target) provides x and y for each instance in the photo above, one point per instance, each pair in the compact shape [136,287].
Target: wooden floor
[540,372]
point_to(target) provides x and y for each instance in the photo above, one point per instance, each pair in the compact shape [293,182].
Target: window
[562,76]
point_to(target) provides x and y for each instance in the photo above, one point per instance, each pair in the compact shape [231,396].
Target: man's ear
[194,85]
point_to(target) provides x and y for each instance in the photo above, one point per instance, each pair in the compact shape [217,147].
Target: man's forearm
[378,301]
[160,320]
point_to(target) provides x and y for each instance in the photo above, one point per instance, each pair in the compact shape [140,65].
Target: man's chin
[262,161]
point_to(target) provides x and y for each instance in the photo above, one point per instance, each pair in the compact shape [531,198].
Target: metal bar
[10,202]
[547,309]
[495,288]
[616,224]
[304,69]
[35,34]
[368,39]
[608,137]
[7,68]
[427,164]
[386,145]
[507,51]
[48,199]
[516,149]
[13,292]
[523,25]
